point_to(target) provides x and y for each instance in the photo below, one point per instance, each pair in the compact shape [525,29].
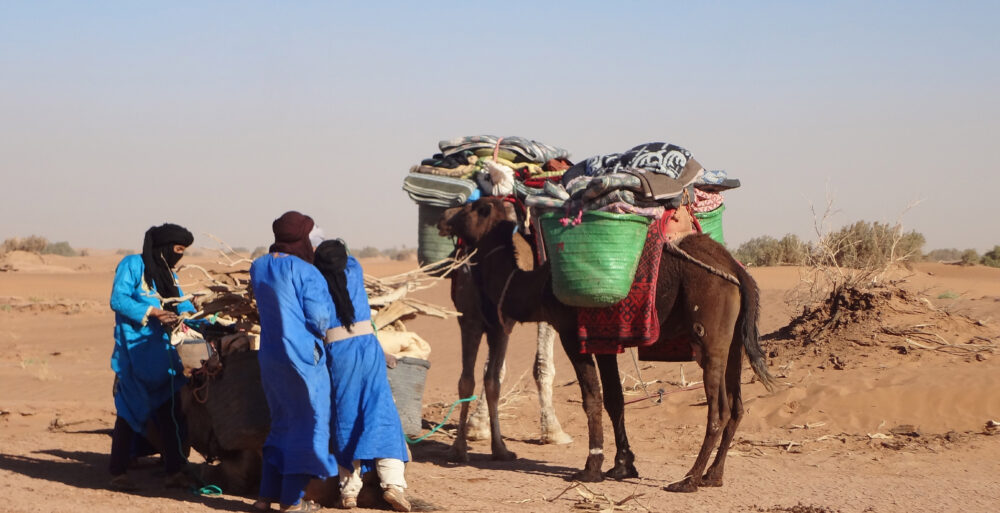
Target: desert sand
[859,424]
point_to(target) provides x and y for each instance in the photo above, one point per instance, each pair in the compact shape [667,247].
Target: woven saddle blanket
[634,322]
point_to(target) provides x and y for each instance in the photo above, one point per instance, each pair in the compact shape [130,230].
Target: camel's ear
[524,258]
[483,208]
[508,208]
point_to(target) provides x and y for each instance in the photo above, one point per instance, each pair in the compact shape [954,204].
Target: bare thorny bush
[857,257]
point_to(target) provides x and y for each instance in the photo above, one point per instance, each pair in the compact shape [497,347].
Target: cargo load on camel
[603,228]
[466,169]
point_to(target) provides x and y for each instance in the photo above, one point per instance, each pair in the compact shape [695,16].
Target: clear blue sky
[115,116]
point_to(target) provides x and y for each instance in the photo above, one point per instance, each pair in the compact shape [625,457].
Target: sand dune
[824,440]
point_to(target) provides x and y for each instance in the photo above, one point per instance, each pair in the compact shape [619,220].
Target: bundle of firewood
[225,298]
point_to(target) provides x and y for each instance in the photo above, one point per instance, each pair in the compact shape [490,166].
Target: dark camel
[474,323]
[719,319]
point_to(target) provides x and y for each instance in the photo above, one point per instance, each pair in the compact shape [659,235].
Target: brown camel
[717,317]
[473,323]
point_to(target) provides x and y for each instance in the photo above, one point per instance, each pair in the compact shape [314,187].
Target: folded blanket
[705,201]
[457,172]
[525,149]
[665,159]
[621,207]
[441,191]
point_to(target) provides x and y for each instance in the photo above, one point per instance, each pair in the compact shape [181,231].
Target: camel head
[488,221]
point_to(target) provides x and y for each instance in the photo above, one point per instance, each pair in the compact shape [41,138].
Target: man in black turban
[162,248]
[147,368]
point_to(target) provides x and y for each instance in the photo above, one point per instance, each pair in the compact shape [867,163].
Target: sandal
[396,498]
[303,506]
[123,483]
[179,480]
[348,502]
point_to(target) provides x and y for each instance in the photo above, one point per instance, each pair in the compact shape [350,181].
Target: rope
[673,248]
[635,361]
[207,490]
[503,294]
[446,417]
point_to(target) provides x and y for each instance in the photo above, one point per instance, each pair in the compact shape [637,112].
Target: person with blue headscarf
[147,368]
[292,300]
[365,425]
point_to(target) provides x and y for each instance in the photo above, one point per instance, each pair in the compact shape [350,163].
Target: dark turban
[331,260]
[291,235]
[159,258]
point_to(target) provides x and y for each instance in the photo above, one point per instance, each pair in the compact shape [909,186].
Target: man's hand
[166,318]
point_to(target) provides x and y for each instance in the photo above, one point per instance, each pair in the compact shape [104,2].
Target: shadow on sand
[82,469]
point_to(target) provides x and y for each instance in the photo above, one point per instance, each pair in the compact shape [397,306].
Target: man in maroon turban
[291,235]
[293,302]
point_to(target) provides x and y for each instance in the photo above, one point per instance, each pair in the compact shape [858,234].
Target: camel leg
[734,369]
[718,417]
[478,427]
[614,404]
[496,340]
[586,375]
[472,334]
[545,372]
[712,330]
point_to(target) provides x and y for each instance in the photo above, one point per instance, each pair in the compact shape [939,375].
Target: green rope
[207,491]
[437,427]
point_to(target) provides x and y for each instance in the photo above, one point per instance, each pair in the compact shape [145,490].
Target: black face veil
[159,258]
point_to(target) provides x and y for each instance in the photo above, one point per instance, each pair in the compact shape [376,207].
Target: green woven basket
[711,223]
[431,246]
[594,262]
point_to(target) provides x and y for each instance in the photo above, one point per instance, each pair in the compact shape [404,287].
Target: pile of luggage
[467,168]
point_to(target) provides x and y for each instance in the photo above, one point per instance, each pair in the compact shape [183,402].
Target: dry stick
[205,272]
[232,262]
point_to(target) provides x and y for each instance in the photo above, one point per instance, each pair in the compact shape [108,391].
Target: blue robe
[292,299]
[365,424]
[147,367]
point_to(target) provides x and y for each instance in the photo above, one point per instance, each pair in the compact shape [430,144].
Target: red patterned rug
[633,322]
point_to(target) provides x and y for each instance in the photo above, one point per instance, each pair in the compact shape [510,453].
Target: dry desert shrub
[859,256]
[33,244]
[37,245]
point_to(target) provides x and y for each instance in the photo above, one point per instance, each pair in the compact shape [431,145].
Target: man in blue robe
[293,303]
[147,368]
[365,425]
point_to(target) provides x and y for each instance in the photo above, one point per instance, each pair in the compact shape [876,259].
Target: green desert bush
[992,257]
[368,252]
[969,257]
[400,254]
[59,248]
[766,251]
[943,255]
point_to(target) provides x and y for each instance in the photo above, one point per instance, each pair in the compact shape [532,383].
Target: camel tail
[746,327]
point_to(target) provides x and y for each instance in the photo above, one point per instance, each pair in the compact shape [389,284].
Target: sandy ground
[822,442]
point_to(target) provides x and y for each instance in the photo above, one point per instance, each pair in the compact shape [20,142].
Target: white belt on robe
[340,332]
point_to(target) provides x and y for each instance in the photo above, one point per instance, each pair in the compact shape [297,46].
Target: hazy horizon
[115,116]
